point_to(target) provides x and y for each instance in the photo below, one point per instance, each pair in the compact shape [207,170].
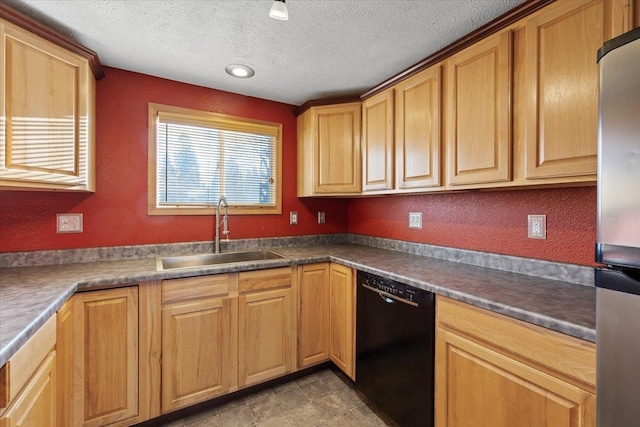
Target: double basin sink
[203,260]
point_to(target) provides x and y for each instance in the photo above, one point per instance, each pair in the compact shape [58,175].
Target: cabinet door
[337,149]
[313,314]
[561,78]
[105,336]
[195,352]
[47,140]
[342,318]
[36,405]
[265,345]
[478,121]
[417,126]
[479,387]
[377,142]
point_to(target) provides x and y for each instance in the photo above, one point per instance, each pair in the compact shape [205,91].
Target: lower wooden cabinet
[313,314]
[266,314]
[28,382]
[199,350]
[495,371]
[36,405]
[196,354]
[342,311]
[105,357]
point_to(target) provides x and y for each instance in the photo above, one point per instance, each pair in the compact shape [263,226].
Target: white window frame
[190,116]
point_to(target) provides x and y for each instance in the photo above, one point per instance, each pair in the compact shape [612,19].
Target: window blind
[198,162]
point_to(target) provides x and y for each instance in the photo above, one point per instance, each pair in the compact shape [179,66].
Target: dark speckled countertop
[30,295]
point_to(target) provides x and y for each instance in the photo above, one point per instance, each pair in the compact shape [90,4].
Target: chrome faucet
[225,222]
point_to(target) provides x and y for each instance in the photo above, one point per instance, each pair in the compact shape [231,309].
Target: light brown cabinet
[105,357]
[342,312]
[48,109]
[418,130]
[377,142]
[495,371]
[28,382]
[313,314]
[478,113]
[266,316]
[561,77]
[401,135]
[329,160]
[198,345]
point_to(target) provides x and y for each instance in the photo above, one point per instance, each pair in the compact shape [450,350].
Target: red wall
[488,221]
[117,213]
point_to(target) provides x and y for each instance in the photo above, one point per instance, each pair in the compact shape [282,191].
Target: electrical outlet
[415,220]
[537,227]
[69,223]
[293,218]
[321,217]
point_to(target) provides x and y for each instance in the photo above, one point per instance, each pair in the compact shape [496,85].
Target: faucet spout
[225,222]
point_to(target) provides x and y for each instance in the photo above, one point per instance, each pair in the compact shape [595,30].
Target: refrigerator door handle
[618,280]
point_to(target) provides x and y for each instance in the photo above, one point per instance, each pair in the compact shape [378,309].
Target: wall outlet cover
[69,223]
[321,217]
[537,227]
[293,218]
[415,220]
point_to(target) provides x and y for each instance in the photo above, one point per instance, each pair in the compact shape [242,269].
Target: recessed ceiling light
[240,71]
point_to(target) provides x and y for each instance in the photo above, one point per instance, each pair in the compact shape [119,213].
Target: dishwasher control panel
[391,287]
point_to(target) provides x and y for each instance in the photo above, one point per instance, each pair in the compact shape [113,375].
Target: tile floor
[318,399]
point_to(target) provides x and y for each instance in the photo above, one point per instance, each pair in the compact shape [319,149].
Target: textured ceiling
[327,47]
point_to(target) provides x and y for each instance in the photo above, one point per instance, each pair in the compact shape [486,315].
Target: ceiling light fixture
[240,71]
[279,10]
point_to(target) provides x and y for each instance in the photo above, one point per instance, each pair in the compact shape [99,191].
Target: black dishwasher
[395,329]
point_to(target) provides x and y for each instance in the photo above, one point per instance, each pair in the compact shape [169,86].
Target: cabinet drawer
[21,367]
[194,288]
[566,357]
[259,280]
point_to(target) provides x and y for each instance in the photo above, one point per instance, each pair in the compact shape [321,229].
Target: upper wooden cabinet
[561,83]
[478,114]
[377,142]
[48,110]
[418,130]
[528,376]
[329,150]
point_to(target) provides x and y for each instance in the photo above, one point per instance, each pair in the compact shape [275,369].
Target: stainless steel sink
[201,260]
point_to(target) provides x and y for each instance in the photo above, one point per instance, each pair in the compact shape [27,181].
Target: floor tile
[305,416]
[320,399]
[238,417]
[351,397]
[263,394]
[292,399]
[329,406]
[315,389]
[277,421]
[265,409]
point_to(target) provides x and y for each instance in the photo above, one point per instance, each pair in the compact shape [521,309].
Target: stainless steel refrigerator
[618,245]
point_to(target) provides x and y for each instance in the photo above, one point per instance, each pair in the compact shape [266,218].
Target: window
[195,157]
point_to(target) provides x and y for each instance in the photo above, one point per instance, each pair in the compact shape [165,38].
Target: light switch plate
[69,223]
[537,227]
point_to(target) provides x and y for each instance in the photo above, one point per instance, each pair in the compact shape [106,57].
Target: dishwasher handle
[389,298]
